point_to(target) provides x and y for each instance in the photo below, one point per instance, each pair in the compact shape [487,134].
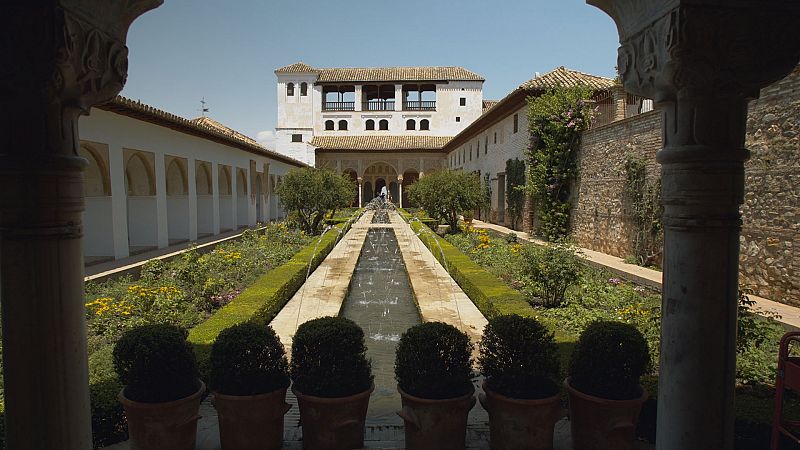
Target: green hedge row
[490,295]
[262,301]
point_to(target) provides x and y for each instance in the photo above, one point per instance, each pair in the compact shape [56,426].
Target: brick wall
[770,241]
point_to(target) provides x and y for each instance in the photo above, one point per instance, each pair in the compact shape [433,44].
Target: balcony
[338,106]
[387,105]
[419,105]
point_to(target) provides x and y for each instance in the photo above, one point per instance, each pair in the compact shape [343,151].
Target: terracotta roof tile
[567,78]
[298,67]
[355,74]
[380,143]
[206,129]
[488,104]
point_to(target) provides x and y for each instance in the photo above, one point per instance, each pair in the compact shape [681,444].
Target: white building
[155,180]
[383,126]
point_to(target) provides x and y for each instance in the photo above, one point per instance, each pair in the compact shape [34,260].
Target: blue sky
[227,50]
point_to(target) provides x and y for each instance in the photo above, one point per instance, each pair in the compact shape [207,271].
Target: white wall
[98,224]
[136,220]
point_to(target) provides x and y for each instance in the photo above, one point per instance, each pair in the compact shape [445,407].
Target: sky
[226,51]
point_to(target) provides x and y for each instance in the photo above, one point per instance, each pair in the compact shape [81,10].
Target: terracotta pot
[170,425]
[597,423]
[517,424]
[251,421]
[436,424]
[333,423]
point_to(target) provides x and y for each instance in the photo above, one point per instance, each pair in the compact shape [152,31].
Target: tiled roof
[209,122]
[567,78]
[356,74]
[299,67]
[488,104]
[380,143]
[205,129]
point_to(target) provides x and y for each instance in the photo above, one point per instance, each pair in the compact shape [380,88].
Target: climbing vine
[557,118]
[644,199]
[486,209]
[515,194]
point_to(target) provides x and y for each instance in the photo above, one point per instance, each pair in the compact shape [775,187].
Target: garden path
[790,315]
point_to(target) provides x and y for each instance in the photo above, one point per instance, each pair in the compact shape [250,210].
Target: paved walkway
[790,315]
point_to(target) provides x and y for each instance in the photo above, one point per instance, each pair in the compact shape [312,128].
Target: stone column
[191,174]
[119,201]
[618,97]
[398,98]
[701,61]
[59,59]
[360,192]
[161,201]
[216,225]
[358,96]
[400,189]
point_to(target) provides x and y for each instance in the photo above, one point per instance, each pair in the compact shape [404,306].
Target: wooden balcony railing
[375,105]
[338,106]
[419,105]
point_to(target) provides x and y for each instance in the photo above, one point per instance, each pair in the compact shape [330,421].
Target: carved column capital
[718,49]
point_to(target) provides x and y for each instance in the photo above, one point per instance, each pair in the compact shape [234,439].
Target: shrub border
[487,292]
[262,301]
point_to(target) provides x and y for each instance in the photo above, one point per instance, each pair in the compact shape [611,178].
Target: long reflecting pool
[381,301]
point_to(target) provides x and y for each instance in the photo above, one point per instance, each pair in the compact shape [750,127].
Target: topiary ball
[433,360]
[156,364]
[248,359]
[519,358]
[329,358]
[608,361]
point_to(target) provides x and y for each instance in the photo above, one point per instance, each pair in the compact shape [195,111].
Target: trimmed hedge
[490,295]
[262,301]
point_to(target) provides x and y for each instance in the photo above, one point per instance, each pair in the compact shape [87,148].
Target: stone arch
[242,202]
[226,203]
[410,176]
[96,181]
[259,197]
[139,176]
[204,186]
[203,179]
[176,178]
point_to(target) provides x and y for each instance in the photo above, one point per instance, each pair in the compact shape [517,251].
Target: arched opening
[383,125]
[411,124]
[290,89]
[226,211]
[367,192]
[424,125]
[98,244]
[353,176]
[259,198]
[303,89]
[177,200]
[369,125]
[375,177]
[410,177]
[242,219]
[141,202]
[394,191]
[205,199]
[342,125]
[329,125]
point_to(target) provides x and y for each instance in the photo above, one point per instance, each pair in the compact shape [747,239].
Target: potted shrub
[162,390]
[249,375]
[332,381]
[519,358]
[433,367]
[605,396]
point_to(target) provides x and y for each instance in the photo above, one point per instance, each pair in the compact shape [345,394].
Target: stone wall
[771,213]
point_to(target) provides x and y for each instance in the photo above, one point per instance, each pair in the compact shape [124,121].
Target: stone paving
[790,315]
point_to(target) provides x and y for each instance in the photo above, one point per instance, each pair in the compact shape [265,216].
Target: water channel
[381,301]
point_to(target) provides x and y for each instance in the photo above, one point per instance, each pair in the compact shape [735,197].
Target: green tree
[312,193]
[515,192]
[557,118]
[446,194]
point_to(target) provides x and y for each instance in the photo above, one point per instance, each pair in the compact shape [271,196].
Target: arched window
[303,89]
[424,124]
[290,90]
[383,124]
[370,125]
[329,125]
[342,125]
[411,124]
